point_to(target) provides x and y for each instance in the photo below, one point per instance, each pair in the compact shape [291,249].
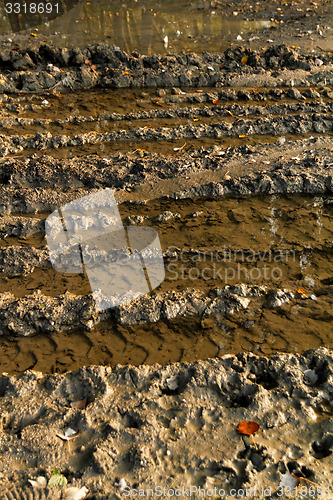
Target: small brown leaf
[79,405]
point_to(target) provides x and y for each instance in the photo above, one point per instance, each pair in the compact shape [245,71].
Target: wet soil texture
[227,153]
[211,121]
[236,180]
[279,247]
[173,426]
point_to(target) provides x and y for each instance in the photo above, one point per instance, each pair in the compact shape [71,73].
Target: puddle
[144,26]
[278,242]
[126,103]
[134,120]
[157,146]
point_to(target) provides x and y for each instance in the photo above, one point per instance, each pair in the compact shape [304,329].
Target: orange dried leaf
[215,102]
[195,119]
[301,291]
[229,112]
[242,136]
[87,62]
[248,428]
[244,60]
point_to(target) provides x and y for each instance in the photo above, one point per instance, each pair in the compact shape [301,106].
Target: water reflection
[145,26]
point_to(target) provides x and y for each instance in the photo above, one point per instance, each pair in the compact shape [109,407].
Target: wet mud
[279,247]
[197,194]
[178,421]
[190,164]
[220,138]
[189,26]
[100,65]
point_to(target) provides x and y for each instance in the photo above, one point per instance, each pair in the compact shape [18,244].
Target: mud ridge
[293,179]
[38,69]
[35,313]
[192,112]
[297,124]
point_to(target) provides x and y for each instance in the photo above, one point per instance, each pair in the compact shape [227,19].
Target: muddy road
[236,180]
[213,126]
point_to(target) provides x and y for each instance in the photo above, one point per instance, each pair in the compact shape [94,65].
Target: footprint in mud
[323,447]
[233,474]
[131,419]
[255,456]
[298,470]
[26,493]
[87,387]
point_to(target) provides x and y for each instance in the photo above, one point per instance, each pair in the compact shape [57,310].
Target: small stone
[172,383]
[294,94]
[310,377]
[166,216]
[120,485]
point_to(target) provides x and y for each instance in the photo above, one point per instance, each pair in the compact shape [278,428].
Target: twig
[254,442]
[178,150]
[305,479]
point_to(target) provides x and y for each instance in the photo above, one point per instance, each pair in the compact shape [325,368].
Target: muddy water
[97,103]
[122,111]
[279,242]
[147,27]
[158,146]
